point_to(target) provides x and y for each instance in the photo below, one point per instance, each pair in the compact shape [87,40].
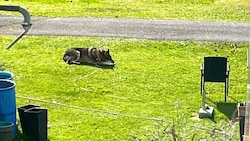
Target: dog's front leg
[96,64]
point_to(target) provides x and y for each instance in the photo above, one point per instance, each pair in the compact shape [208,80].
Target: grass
[211,10]
[148,78]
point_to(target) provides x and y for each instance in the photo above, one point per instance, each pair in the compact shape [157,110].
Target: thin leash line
[83,77]
[92,110]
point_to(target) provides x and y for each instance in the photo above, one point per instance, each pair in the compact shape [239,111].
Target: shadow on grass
[227,109]
[97,66]
[21,137]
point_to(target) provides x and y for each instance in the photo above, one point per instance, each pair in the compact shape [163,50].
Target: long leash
[90,109]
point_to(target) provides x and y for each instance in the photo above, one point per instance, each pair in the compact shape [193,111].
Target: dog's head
[106,57]
[71,55]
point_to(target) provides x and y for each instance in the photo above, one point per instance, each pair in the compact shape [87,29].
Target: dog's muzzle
[108,62]
[66,58]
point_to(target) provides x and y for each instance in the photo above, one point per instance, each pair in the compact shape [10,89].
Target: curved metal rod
[18,37]
[26,23]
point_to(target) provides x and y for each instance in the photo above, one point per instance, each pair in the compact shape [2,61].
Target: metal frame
[247,112]
[26,23]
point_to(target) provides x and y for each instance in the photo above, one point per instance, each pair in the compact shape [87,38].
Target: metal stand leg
[26,23]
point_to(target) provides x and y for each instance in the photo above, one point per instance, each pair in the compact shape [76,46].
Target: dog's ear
[108,51]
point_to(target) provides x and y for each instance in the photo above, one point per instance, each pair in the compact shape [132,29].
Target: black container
[5,130]
[35,121]
[22,116]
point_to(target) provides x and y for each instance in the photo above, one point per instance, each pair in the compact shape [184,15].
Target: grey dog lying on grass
[94,56]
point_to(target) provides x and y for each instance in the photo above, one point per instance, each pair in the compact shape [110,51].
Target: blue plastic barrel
[8,103]
[6,75]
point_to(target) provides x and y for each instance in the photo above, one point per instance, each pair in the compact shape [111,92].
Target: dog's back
[84,56]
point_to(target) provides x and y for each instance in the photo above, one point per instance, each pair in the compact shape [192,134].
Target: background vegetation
[212,10]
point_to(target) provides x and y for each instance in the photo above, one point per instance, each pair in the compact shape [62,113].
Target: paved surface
[130,28]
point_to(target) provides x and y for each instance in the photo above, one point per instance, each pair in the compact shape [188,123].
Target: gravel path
[130,28]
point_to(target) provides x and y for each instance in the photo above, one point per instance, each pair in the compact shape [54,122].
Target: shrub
[181,129]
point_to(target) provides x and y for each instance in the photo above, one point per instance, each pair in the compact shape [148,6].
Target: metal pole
[203,98]
[20,9]
[26,23]
[247,117]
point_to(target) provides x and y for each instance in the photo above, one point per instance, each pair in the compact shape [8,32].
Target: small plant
[182,130]
[1,67]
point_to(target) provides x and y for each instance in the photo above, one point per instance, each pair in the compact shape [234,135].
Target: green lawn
[212,10]
[148,78]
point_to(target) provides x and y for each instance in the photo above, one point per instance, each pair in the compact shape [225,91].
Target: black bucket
[34,121]
[22,116]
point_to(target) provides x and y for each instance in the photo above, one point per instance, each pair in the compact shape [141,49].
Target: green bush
[181,129]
